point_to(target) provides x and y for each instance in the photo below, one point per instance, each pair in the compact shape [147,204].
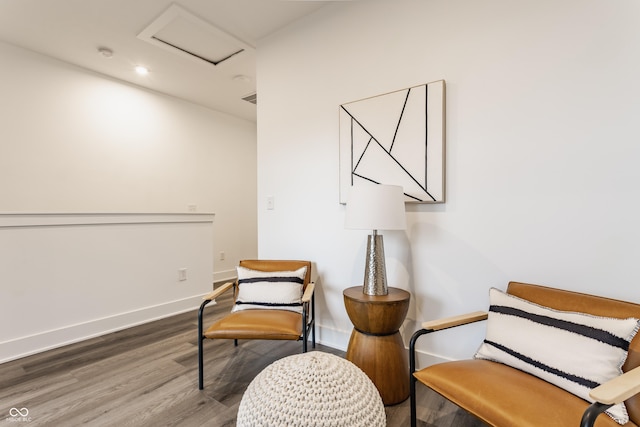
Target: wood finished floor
[148,376]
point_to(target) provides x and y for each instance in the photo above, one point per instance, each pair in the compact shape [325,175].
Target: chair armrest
[308,292]
[614,391]
[427,328]
[450,322]
[218,291]
[618,389]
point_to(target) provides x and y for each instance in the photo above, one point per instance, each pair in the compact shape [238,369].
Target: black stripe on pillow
[586,331]
[270,304]
[271,279]
[573,378]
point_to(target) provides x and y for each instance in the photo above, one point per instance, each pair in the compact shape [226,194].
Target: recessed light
[105,51]
[142,70]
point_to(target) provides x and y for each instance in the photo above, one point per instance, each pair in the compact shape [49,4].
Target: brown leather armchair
[265,324]
[500,395]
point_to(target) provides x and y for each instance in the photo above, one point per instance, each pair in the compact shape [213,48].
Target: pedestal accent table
[375,345]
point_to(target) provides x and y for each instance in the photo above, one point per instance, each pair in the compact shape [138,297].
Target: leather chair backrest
[584,303]
[278,265]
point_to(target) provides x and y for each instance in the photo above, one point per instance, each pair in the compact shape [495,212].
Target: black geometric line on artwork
[426,133]
[376,182]
[388,152]
[351,123]
[366,178]
[406,99]
[373,138]
[363,151]
[400,119]
[426,136]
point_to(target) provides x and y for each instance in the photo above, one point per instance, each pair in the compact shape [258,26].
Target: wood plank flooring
[148,376]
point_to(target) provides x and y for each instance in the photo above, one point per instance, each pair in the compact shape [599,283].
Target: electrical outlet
[271,203]
[222,255]
[182,274]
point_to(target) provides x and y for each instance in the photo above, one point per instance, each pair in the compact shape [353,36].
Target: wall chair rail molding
[67,277]
[12,220]
[397,138]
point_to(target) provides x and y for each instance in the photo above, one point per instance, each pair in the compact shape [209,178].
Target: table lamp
[375,207]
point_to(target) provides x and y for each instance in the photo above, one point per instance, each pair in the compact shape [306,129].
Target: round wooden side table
[375,345]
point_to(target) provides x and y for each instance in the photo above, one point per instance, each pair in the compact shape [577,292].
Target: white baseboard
[332,337]
[37,343]
[47,340]
[424,359]
[224,276]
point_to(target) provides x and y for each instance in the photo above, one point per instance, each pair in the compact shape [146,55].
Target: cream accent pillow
[574,351]
[281,290]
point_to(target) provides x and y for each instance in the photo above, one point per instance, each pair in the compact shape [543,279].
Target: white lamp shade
[375,207]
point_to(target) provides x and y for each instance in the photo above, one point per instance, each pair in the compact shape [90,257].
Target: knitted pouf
[312,389]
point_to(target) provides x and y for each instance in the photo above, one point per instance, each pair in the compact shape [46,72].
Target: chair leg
[313,320]
[305,337]
[412,398]
[305,327]
[200,364]
[412,369]
[201,347]
[235,343]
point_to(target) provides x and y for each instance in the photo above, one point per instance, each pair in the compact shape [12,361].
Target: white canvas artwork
[397,138]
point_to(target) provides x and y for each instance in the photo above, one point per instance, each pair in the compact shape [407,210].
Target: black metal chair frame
[308,319]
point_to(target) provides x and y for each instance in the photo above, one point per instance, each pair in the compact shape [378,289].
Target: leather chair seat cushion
[258,324]
[502,396]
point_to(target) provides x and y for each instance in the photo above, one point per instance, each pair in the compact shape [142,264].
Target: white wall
[75,141]
[68,277]
[542,150]
[76,144]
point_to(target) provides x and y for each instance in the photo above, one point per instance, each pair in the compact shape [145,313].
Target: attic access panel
[181,32]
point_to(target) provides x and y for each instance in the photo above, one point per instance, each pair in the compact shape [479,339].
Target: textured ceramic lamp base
[375,273]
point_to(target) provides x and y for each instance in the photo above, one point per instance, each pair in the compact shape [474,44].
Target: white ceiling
[73,30]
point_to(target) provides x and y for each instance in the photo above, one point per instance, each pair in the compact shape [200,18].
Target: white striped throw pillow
[574,351]
[280,290]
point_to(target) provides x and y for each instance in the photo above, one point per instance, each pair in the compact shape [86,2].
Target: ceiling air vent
[252,98]
[186,34]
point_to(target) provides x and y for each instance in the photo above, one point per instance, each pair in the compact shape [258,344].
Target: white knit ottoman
[312,389]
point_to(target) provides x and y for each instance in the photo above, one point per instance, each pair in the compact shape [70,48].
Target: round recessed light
[142,70]
[105,51]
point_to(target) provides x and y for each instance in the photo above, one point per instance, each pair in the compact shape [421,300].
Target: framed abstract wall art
[396,138]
